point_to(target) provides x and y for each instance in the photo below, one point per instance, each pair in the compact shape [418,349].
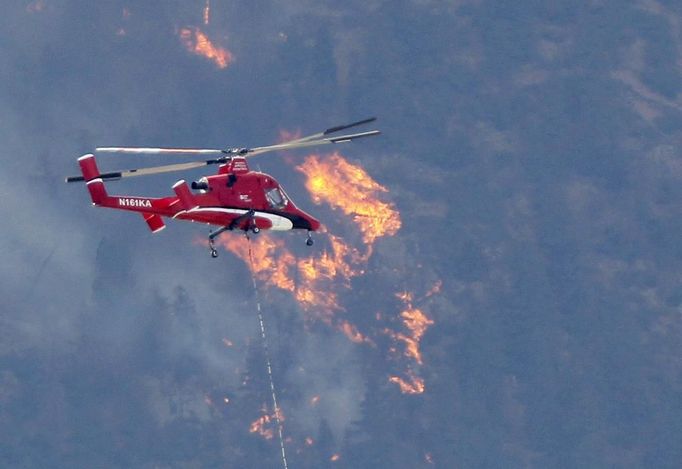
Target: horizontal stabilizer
[154,221]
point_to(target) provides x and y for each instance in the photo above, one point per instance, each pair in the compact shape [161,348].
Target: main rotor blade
[310,143]
[150,170]
[332,130]
[318,138]
[159,151]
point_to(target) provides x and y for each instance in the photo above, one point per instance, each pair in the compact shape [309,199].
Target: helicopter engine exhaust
[200,185]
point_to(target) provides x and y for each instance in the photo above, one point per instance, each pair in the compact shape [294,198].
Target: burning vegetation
[265,425]
[415,323]
[197,42]
[349,188]
[316,281]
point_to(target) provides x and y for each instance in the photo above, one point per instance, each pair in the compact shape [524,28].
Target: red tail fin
[91,175]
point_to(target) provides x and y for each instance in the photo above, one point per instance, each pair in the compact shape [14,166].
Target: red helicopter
[235,198]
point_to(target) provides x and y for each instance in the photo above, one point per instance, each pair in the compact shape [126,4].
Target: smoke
[329,386]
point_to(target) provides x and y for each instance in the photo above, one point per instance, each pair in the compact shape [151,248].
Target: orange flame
[264,425]
[416,323]
[349,188]
[352,333]
[261,427]
[272,261]
[413,385]
[198,43]
[312,280]
[315,281]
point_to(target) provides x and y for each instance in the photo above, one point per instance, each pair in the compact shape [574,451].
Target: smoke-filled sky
[520,308]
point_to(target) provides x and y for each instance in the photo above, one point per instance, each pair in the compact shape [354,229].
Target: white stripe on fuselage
[279,223]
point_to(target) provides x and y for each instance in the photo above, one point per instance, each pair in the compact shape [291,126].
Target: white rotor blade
[113,175]
[332,130]
[162,169]
[159,151]
[310,143]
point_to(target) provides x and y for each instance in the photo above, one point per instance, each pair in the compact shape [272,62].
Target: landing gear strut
[211,240]
[250,226]
[309,241]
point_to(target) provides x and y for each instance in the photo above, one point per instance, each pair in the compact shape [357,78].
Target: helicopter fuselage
[235,199]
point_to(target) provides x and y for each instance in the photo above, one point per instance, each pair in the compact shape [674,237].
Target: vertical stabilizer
[91,174]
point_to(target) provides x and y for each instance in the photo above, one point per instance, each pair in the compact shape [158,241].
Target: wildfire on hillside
[197,42]
[348,187]
[317,280]
[415,323]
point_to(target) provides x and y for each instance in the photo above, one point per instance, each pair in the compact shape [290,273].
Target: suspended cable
[267,358]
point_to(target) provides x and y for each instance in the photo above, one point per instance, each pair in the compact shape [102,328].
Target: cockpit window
[276,198]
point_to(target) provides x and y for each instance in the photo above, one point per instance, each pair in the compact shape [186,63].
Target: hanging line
[267,357]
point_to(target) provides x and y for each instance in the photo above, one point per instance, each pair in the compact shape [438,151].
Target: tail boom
[151,208]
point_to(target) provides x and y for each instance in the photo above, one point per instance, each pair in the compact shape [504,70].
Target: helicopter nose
[314,224]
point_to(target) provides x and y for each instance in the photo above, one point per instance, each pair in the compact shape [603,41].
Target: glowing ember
[404,296]
[261,426]
[413,385]
[309,441]
[348,187]
[335,457]
[227,342]
[352,333]
[265,424]
[314,400]
[435,289]
[198,43]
